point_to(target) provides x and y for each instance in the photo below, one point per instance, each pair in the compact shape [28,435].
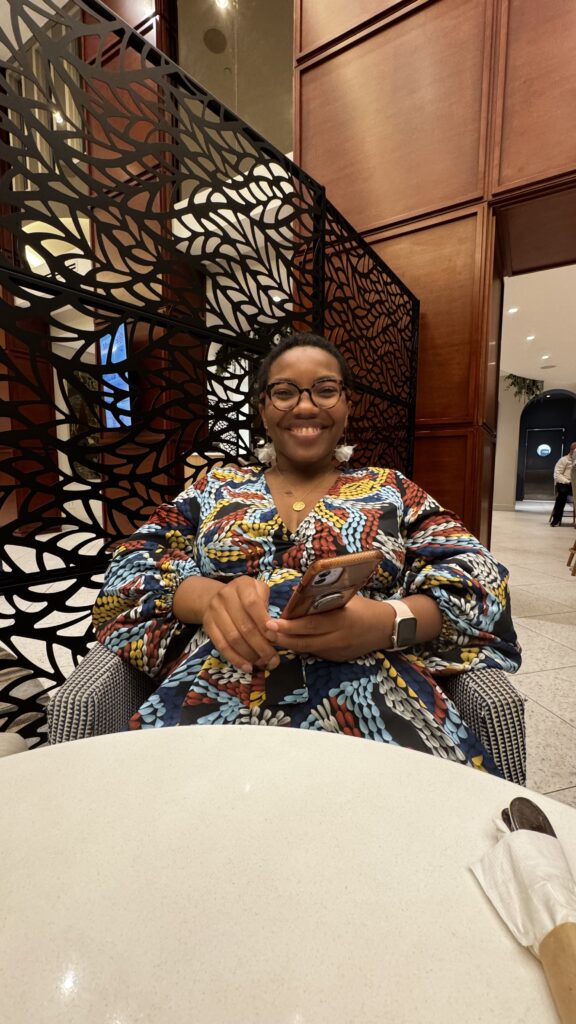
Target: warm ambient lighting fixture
[545,357]
[513,309]
[222,4]
[530,337]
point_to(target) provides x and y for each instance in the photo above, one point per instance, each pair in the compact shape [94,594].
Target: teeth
[305,430]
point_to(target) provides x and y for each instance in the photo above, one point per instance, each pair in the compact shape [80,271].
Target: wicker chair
[103,692]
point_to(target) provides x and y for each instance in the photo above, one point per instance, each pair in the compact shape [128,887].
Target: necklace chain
[299,504]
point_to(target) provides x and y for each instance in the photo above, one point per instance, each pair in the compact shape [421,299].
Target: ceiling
[546,304]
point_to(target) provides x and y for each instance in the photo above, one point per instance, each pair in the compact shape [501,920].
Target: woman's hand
[346,633]
[235,620]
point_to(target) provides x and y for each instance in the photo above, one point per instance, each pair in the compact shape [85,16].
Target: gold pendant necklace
[299,504]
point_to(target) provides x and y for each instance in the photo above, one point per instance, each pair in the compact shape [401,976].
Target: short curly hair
[301,339]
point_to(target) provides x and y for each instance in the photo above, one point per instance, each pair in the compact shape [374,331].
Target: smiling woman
[196,596]
[304,411]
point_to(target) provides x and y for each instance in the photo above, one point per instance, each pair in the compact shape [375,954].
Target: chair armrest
[494,709]
[97,698]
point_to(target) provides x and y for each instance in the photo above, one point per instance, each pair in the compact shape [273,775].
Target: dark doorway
[548,421]
[543,449]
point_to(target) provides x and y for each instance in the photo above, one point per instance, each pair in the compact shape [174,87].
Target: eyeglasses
[325,394]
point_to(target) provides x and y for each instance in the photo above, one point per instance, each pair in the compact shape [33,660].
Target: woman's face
[305,435]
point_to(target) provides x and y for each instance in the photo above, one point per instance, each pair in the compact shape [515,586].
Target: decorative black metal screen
[152,248]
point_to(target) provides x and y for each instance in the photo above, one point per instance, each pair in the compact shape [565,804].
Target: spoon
[524,813]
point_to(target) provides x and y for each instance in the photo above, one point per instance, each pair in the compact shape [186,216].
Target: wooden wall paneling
[30,393]
[536,92]
[441,261]
[8,482]
[442,459]
[140,14]
[323,21]
[395,128]
[539,233]
[167,27]
[490,328]
[490,412]
[481,518]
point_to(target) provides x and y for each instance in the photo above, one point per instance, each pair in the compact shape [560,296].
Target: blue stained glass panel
[116,386]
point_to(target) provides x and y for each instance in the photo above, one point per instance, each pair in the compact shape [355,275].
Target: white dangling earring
[344,452]
[265,452]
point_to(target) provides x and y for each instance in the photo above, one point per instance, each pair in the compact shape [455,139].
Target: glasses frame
[268,391]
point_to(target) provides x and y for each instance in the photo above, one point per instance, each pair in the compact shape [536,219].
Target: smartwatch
[404,628]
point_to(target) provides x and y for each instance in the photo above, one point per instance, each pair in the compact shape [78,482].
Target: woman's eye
[326,390]
[283,393]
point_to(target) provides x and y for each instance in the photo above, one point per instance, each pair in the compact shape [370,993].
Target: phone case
[330,582]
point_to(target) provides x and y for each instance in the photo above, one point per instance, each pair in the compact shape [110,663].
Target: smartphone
[330,582]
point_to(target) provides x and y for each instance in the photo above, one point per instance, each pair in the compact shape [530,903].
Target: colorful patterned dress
[226,525]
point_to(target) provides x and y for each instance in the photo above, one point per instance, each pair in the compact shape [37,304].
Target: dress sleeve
[468,584]
[133,613]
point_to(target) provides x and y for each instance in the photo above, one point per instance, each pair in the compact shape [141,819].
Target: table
[248,875]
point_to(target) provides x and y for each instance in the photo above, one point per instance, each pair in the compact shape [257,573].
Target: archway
[547,428]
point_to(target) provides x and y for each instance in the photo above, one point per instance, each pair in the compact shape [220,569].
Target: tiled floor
[544,612]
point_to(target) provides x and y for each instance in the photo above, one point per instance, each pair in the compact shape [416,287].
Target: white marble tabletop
[244,875]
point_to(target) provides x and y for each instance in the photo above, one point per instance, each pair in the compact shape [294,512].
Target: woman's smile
[305,435]
[305,431]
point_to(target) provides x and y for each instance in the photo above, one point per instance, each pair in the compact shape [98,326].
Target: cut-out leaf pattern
[152,249]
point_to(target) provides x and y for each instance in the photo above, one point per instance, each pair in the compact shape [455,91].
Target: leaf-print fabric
[228,525]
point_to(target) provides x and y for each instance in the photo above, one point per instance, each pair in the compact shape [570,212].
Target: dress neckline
[337,481]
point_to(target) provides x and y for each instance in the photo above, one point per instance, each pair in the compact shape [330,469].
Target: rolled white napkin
[528,880]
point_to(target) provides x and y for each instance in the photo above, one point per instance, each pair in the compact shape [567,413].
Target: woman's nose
[307,394]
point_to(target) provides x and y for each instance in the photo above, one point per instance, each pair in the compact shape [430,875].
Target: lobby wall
[430,123]
[509,413]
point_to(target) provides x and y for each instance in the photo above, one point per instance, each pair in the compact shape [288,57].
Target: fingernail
[273,663]
[246,667]
[272,624]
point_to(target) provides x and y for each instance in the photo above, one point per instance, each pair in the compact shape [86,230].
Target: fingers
[309,634]
[306,625]
[222,634]
[236,622]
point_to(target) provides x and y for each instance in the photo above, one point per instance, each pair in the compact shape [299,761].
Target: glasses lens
[284,396]
[326,393]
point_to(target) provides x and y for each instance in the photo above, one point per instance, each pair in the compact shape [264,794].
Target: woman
[194,597]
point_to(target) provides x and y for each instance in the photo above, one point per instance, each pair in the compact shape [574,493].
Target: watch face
[406,631]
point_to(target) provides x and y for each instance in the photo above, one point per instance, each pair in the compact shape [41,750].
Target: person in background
[562,484]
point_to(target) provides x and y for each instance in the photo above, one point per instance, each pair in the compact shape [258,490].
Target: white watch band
[401,611]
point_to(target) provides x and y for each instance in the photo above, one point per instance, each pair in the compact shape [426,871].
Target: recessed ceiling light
[545,357]
[513,309]
[222,4]
[530,337]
